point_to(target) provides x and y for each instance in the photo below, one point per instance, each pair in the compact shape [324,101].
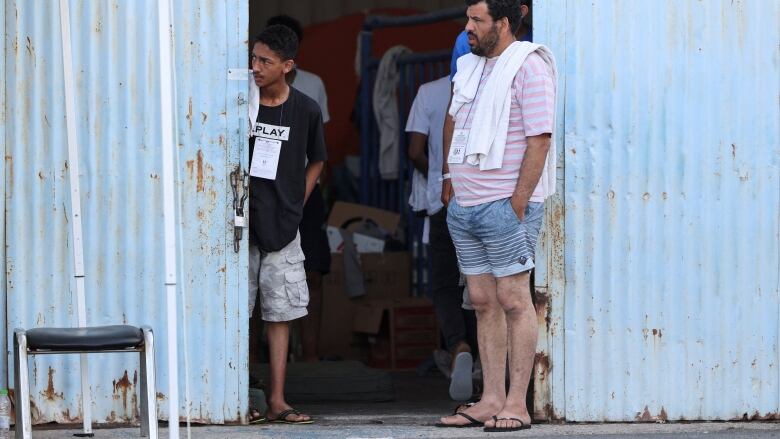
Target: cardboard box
[351,216]
[336,338]
[363,243]
[387,276]
[348,216]
[402,332]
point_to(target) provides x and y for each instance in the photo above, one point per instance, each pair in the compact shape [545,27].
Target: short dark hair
[499,9]
[281,39]
[286,20]
[528,20]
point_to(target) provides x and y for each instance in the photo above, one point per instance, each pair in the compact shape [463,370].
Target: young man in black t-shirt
[287,132]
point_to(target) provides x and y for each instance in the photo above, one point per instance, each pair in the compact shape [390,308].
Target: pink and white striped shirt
[531,114]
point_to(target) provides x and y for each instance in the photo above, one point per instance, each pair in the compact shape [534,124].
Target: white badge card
[265,158]
[457,154]
[271,131]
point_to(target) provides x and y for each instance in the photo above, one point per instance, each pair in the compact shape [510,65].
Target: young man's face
[483,32]
[267,66]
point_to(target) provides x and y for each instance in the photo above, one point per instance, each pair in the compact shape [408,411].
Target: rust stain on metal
[189,114]
[50,393]
[657,333]
[31,50]
[200,184]
[12,398]
[542,305]
[646,416]
[121,389]
[542,361]
[35,413]
[770,416]
[203,117]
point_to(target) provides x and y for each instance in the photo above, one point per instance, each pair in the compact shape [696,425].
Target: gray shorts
[490,239]
[281,281]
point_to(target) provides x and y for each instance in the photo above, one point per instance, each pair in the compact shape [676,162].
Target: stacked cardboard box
[385,327]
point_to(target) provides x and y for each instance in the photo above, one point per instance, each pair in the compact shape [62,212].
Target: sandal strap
[463,406]
[283,415]
[469,418]
[509,419]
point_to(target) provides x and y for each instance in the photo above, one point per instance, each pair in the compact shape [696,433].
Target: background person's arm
[418,143]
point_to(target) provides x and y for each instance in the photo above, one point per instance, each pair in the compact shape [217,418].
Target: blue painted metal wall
[115,49]
[671,138]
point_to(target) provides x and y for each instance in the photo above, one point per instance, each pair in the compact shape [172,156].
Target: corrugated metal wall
[672,201]
[3,295]
[115,49]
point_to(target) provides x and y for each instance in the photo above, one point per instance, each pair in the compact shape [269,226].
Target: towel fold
[490,124]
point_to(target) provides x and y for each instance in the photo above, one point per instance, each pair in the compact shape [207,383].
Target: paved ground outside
[356,430]
[420,401]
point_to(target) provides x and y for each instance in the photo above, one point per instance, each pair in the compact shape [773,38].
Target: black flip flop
[472,422]
[281,418]
[255,417]
[523,426]
[464,406]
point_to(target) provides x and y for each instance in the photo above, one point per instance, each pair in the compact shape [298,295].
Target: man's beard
[487,44]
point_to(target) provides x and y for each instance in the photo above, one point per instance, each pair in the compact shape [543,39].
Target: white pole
[75,202]
[169,212]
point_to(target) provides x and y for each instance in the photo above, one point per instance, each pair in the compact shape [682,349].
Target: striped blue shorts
[489,238]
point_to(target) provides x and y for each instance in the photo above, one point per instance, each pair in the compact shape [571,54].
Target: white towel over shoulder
[490,124]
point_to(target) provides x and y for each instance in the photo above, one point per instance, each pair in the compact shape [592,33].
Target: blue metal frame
[415,70]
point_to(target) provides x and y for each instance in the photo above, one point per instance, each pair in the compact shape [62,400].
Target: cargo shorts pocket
[296,288]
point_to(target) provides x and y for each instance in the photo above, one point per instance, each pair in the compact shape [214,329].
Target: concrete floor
[412,416]
[355,428]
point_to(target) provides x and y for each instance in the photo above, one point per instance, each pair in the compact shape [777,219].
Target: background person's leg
[314,243]
[310,325]
[447,293]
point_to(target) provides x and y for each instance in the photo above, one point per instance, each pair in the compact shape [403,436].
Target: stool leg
[148,387]
[22,386]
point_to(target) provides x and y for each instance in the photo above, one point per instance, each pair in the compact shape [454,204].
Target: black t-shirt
[276,206]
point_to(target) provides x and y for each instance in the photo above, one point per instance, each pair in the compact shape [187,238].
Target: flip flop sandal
[523,426]
[461,384]
[282,418]
[255,417]
[472,423]
[464,406]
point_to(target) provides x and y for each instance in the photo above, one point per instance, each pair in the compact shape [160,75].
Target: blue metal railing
[415,70]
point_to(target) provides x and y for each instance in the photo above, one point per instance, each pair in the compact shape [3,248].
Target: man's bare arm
[449,128]
[530,172]
[418,143]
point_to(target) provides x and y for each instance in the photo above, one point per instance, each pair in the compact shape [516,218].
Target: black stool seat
[96,338]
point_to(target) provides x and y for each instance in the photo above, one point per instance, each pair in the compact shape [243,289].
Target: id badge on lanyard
[268,148]
[460,138]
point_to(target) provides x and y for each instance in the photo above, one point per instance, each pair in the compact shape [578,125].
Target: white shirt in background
[312,86]
[427,117]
